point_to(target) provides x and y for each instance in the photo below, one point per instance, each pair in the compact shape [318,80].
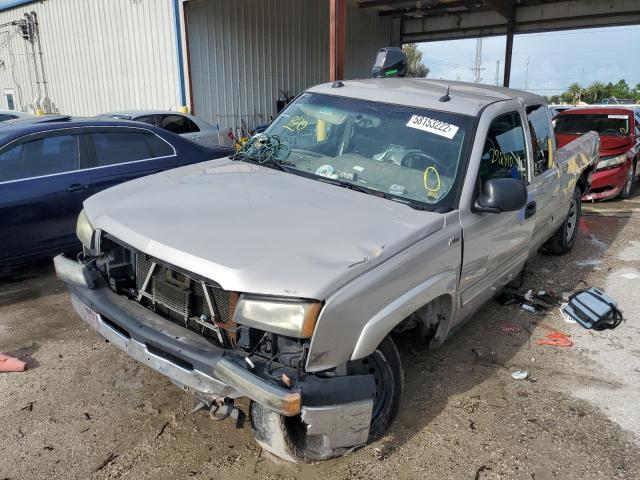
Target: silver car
[188,126]
[283,274]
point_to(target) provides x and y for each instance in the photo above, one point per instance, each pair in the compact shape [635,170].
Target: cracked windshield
[403,153]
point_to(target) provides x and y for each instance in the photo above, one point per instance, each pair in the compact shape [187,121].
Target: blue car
[50,165]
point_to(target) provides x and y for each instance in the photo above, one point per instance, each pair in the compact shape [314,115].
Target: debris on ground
[531,302]
[566,317]
[10,364]
[519,375]
[594,309]
[556,339]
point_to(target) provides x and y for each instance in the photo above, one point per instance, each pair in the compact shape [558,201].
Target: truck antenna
[445,97]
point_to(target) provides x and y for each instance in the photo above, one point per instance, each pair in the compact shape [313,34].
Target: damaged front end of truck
[207,341]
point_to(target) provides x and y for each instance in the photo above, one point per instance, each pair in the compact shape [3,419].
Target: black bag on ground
[592,308]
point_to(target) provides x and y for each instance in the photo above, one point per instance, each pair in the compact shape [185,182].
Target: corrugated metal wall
[244,52]
[99,55]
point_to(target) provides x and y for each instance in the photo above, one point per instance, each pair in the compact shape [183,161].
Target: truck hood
[255,229]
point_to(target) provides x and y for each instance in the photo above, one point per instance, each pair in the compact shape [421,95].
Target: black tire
[563,240]
[286,437]
[628,185]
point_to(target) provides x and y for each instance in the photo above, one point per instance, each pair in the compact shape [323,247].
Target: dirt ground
[84,410]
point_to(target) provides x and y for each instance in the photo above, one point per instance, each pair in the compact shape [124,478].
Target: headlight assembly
[84,230]
[285,317]
[611,161]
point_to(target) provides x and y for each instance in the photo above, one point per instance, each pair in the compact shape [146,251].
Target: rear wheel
[564,239]
[286,437]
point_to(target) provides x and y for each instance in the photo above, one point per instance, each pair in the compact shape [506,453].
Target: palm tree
[574,92]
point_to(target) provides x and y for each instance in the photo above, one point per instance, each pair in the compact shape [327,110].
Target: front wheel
[286,437]
[563,240]
[628,184]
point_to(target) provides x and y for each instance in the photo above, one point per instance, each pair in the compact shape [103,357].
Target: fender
[356,318]
[442,284]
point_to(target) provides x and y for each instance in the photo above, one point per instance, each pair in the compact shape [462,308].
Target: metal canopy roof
[428,20]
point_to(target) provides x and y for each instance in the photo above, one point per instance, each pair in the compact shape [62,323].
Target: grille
[180,298]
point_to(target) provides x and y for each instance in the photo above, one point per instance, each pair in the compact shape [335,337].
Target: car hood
[259,230]
[609,145]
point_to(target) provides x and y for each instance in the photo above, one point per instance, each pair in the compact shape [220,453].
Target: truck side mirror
[501,195]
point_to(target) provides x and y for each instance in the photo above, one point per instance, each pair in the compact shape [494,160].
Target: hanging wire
[263,148]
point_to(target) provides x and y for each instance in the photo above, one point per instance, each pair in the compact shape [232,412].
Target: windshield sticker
[297,124]
[619,117]
[358,168]
[432,125]
[325,171]
[396,189]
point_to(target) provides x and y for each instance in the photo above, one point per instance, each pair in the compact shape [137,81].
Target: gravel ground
[84,410]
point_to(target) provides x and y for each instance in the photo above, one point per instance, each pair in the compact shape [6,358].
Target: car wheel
[565,237]
[628,184]
[286,437]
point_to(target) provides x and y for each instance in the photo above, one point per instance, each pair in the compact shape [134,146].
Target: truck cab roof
[465,98]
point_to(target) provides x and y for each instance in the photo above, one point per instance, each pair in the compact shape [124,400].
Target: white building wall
[243,52]
[99,55]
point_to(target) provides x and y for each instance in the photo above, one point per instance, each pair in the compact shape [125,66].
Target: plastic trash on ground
[520,375]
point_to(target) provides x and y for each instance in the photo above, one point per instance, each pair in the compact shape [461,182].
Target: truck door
[545,175]
[495,246]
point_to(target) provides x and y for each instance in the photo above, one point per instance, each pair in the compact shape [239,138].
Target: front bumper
[607,183]
[184,356]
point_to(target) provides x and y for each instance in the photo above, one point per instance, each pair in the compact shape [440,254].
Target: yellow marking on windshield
[296,124]
[432,182]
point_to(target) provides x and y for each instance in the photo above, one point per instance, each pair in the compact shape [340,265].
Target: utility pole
[478,67]
[497,71]
[526,75]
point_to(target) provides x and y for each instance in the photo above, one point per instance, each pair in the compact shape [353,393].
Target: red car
[619,130]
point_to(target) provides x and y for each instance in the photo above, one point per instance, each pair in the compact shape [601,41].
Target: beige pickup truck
[283,273]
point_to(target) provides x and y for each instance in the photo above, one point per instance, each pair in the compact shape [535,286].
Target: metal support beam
[503,7]
[337,33]
[508,54]
[545,16]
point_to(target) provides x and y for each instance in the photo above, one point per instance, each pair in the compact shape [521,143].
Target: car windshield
[400,152]
[613,124]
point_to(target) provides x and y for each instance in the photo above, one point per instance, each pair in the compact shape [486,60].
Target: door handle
[530,209]
[77,187]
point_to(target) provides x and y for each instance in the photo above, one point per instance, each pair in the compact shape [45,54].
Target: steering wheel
[419,161]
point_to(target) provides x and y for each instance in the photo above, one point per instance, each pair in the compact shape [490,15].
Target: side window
[121,147]
[158,146]
[504,154]
[4,117]
[178,124]
[150,119]
[540,133]
[45,156]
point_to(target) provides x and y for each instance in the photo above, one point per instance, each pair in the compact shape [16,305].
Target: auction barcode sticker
[432,125]
[618,117]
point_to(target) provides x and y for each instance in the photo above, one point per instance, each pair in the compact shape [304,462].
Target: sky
[556,59]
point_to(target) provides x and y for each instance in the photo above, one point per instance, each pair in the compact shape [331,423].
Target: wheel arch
[439,288]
